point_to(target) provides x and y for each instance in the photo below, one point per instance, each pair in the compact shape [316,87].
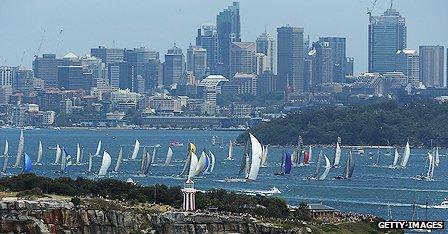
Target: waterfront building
[387,35]
[290,59]
[122,100]
[189,199]
[210,87]
[431,66]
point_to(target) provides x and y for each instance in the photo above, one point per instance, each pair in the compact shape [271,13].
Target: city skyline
[19,50]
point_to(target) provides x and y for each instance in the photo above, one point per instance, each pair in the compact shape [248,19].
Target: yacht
[443,205]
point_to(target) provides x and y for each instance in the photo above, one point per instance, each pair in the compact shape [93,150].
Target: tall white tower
[189,193]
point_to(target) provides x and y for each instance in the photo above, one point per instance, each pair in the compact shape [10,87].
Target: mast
[119,160]
[20,149]
[39,153]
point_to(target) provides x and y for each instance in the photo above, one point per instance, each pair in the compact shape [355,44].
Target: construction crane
[60,41]
[370,10]
[36,54]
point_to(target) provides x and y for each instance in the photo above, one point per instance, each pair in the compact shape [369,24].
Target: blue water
[371,190]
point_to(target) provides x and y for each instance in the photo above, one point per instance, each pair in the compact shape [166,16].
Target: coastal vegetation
[384,123]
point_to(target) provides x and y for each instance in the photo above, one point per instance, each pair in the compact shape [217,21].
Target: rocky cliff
[60,216]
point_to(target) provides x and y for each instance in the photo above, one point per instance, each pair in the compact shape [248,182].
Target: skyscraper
[197,61]
[387,35]
[174,66]
[139,59]
[229,30]
[242,58]
[338,47]
[408,63]
[71,77]
[108,55]
[431,66]
[324,63]
[46,68]
[290,58]
[207,38]
[266,45]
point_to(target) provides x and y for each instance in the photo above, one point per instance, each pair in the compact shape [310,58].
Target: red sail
[306,157]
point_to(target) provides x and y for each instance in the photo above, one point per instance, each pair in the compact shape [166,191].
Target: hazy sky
[158,24]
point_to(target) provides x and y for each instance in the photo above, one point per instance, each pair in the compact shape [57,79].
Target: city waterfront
[375,190]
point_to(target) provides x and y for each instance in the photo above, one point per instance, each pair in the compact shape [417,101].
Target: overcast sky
[158,24]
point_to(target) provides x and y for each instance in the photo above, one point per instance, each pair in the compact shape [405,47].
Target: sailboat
[105,164]
[143,161]
[39,154]
[58,155]
[286,164]
[315,176]
[230,153]
[296,154]
[327,168]
[65,161]
[406,154]
[119,160]
[250,164]
[431,165]
[349,168]
[211,166]
[337,155]
[135,151]
[27,162]
[191,149]
[396,158]
[98,149]
[203,163]
[78,154]
[193,164]
[5,157]
[378,157]
[20,150]
[89,168]
[169,156]
[153,158]
[436,156]
[264,156]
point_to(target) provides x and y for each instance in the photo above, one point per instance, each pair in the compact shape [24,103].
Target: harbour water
[379,191]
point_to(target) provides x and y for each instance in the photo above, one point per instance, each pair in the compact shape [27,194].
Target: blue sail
[27,164]
[288,163]
[207,163]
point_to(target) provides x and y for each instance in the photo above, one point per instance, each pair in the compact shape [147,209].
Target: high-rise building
[174,66]
[349,66]
[387,35]
[229,30]
[338,47]
[290,59]
[408,62]
[309,70]
[207,38]
[71,77]
[120,75]
[266,44]
[324,64]
[242,57]
[22,79]
[6,75]
[431,66]
[139,59]
[97,68]
[108,55]
[197,61]
[46,68]
[261,63]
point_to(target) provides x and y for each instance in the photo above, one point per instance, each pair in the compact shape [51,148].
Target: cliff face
[23,216]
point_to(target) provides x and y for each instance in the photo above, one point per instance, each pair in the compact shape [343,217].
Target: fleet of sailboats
[254,157]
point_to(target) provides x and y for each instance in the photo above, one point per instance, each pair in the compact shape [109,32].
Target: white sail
[58,154]
[119,160]
[6,157]
[89,169]
[136,149]
[20,149]
[310,153]
[406,154]
[396,157]
[327,169]
[169,156]
[436,157]
[153,158]
[264,156]
[212,162]
[430,173]
[337,155]
[105,164]
[64,160]
[256,158]
[39,153]
[230,153]
[201,164]
[5,152]
[98,149]
[193,165]
[78,154]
